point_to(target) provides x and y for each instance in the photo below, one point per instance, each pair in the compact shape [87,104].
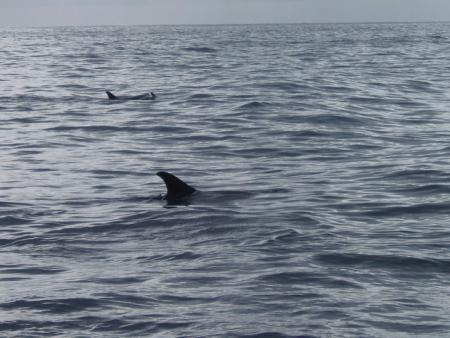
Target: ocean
[322,152]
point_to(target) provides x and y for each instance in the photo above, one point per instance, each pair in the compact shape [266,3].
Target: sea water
[327,149]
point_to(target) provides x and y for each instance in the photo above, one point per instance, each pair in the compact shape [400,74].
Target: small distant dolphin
[146,96]
[178,192]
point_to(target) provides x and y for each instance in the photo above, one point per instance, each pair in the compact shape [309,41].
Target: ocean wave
[56,306]
[335,119]
[252,105]
[271,334]
[416,209]
[200,49]
[101,128]
[419,174]
[200,96]
[285,86]
[187,255]
[386,262]
[303,278]
[426,189]
[92,324]
[31,270]
[13,220]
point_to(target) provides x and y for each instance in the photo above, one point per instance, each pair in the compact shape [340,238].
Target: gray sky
[149,12]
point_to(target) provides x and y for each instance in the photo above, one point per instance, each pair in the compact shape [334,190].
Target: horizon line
[232,24]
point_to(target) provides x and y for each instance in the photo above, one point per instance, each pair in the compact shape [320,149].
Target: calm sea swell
[321,152]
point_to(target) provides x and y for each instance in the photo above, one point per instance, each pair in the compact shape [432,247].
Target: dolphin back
[111,96]
[177,190]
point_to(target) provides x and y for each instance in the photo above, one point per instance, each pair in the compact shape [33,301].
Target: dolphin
[146,96]
[178,192]
[181,193]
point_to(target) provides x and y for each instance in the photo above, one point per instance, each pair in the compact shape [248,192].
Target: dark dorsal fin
[176,188]
[111,96]
[153,95]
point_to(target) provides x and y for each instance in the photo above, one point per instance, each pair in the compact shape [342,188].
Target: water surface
[335,139]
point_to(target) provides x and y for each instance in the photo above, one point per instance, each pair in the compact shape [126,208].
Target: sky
[156,12]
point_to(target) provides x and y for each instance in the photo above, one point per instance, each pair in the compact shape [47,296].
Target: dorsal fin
[153,95]
[111,96]
[176,188]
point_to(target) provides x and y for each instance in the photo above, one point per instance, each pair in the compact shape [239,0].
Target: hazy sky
[148,12]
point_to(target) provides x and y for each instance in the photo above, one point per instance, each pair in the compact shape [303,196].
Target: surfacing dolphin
[178,192]
[146,96]
[181,193]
